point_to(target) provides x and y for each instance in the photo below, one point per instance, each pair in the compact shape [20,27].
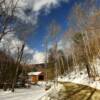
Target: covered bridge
[34,77]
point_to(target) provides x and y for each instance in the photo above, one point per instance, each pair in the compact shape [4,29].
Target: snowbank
[80,77]
[53,92]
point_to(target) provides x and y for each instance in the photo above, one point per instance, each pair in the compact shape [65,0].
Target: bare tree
[54,29]
[7,15]
[84,28]
[24,33]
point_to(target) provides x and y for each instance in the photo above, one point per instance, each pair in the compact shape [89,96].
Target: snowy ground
[34,93]
[53,92]
[81,77]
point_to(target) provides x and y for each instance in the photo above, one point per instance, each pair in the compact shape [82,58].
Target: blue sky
[46,11]
[40,13]
[59,14]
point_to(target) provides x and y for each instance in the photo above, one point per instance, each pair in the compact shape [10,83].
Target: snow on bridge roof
[34,73]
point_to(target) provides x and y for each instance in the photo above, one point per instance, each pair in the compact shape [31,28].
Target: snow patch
[81,77]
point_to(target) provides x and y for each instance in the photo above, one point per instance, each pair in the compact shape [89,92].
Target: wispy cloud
[30,9]
[10,44]
[28,12]
[38,57]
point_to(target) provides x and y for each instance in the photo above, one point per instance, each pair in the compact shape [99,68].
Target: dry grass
[74,91]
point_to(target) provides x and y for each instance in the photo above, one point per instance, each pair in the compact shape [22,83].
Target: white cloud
[34,6]
[38,57]
[10,44]
[63,45]
[39,4]
[11,41]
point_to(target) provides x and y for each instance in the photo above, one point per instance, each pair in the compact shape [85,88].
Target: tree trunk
[17,66]
[88,70]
